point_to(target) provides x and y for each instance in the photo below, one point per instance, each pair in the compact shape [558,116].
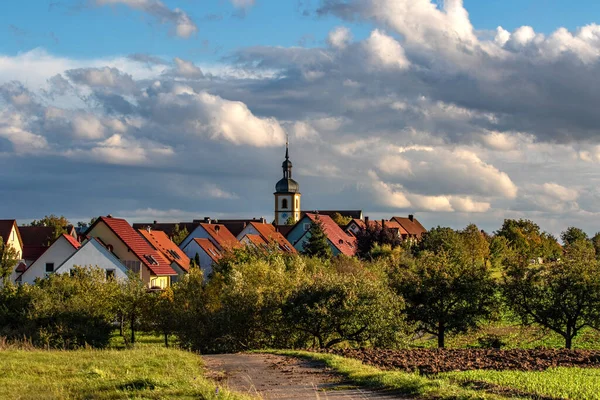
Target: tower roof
[287,184]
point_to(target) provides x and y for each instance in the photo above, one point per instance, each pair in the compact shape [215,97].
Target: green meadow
[146,372]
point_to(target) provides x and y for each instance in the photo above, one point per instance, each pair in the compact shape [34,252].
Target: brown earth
[278,377]
[431,361]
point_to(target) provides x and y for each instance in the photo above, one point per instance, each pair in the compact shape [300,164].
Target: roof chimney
[207,220]
[109,216]
[217,228]
[411,217]
[155,222]
[367,222]
[382,223]
[148,228]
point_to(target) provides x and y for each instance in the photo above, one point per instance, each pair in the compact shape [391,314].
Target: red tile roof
[270,235]
[138,245]
[258,241]
[72,241]
[344,242]
[210,249]
[412,227]
[221,235]
[161,242]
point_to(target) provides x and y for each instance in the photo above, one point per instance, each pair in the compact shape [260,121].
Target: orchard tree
[596,244]
[317,244]
[476,248]
[572,235]
[132,301]
[8,260]
[528,242]
[444,296]
[562,296]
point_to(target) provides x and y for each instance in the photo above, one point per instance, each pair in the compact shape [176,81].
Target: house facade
[46,264]
[93,254]
[180,262]
[9,232]
[218,234]
[339,241]
[204,252]
[268,233]
[133,250]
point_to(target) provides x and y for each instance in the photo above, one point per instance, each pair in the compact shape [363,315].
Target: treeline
[452,281]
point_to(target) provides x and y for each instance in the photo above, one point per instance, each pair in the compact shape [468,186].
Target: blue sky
[70,28]
[392,106]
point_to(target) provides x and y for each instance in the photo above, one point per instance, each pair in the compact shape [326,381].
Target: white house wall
[198,233]
[93,254]
[206,262]
[57,254]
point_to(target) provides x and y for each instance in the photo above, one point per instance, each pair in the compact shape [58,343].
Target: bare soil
[432,361]
[278,377]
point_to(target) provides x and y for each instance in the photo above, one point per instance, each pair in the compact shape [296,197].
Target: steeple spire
[287,164]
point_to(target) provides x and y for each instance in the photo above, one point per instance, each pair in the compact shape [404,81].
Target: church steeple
[287,164]
[287,193]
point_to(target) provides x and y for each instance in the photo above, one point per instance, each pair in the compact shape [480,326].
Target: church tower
[287,194]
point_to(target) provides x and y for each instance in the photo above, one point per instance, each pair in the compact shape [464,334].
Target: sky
[456,111]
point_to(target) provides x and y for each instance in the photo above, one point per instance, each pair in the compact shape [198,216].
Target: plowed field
[428,361]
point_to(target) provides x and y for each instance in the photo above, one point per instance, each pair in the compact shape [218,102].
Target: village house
[414,229]
[180,262]
[218,234]
[205,254]
[267,234]
[133,250]
[339,241]
[93,254]
[9,232]
[52,257]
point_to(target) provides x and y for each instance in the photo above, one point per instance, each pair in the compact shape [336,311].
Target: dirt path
[277,377]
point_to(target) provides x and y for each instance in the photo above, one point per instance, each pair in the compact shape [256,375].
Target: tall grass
[145,372]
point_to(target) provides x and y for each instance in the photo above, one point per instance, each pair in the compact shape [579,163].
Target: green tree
[8,261]
[528,242]
[572,235]
[340,219]
[336,308]
[160,312]
[59,224]
[562,296]
[179,234]
[444,296]
[317,244]
[290,221]
[133,297]
[596,244]
[476,247]
[72,311]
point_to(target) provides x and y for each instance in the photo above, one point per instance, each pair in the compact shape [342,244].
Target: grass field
[564,383]
[146,372]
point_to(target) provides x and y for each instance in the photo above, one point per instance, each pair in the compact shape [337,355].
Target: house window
[297,203]
[110,274]
[306,227]
[284,204]
[49,267]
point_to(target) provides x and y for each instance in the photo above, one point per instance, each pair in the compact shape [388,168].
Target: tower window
[284,203]
[297,203]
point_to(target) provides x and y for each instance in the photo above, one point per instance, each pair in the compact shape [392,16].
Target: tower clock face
[284,215]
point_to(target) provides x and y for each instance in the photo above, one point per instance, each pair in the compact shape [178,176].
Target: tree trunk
[122,323]
[569,338]
[166,339]
[441,334]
